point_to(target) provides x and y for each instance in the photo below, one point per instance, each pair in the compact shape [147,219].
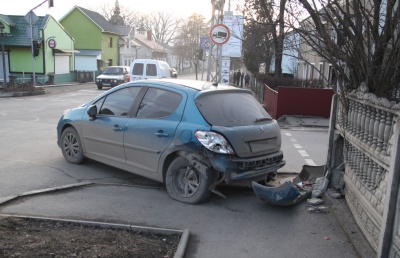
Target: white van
[149,69]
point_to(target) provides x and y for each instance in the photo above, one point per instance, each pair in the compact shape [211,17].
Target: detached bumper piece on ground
[290,193]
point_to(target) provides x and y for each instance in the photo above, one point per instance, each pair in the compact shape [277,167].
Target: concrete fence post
[392,196]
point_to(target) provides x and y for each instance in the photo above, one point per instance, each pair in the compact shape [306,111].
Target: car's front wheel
[99,87]
[186,184]
[71,146]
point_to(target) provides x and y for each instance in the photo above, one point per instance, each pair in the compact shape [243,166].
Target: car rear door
[153,129]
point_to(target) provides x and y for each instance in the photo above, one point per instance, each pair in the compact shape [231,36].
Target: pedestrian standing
[238,74]
[241,80]
[234,78]
[246,80]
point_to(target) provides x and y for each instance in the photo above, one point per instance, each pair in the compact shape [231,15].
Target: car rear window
[137,69]
[151,70]
[231,109]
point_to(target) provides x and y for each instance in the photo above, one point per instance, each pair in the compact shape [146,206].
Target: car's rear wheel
[186,184]
[71,146]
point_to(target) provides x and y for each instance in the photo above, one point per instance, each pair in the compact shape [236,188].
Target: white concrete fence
[364,160]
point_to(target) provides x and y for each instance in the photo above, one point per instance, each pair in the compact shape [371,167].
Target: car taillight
[214,142]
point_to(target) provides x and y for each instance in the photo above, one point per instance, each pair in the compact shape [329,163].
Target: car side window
[158,103]
[151,70]
[137,69]
[119,102]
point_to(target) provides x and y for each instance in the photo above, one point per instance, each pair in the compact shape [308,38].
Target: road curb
[6,199]
[21,94]
[41,90]
[180,250]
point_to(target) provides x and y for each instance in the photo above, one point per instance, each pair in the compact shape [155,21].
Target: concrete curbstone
[180,250]
[6,199]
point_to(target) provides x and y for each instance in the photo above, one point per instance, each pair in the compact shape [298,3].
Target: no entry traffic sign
[219,34]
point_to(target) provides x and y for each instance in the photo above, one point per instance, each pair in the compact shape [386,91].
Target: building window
[110,63]
[311,71]
[321,71]
[110,45]
[305,66]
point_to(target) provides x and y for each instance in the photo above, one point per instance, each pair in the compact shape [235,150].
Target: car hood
[252,140]
[110,76]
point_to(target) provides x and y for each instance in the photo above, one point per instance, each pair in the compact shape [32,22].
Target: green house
[96,39]
[55,57]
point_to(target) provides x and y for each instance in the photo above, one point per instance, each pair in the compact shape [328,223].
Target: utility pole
[3,55]
[32,18]
[217,5]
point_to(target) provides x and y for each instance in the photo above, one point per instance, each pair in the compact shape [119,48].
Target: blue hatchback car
[190,135]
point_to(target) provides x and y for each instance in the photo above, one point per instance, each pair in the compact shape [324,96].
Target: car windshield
[231,109]
[114,70]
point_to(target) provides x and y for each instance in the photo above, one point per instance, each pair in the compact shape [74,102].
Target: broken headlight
[214,142]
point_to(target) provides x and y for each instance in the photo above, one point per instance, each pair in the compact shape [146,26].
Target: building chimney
[149,35]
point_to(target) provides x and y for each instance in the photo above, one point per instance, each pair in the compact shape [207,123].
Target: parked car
[174,73]
[149,69]
[113,76]
[190,135]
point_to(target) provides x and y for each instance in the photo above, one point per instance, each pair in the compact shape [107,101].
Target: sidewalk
[303,121]
[39,90]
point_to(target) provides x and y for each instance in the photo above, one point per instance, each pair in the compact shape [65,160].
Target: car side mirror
[92,112]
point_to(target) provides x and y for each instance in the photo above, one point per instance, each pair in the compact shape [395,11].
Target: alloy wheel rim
[71,145]
[186,181]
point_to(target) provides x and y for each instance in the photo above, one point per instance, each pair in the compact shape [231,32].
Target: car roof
[128,67]
[196,85]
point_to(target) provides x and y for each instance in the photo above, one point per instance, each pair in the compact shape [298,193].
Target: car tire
[71,146]
[186,184]
[99,87]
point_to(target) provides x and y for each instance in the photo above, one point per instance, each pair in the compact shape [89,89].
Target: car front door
[103,136]
[152,130]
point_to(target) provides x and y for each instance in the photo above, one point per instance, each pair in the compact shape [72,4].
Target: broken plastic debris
[318,209]
[327,238]
[336,195]
[320,186]
[315,201]
[290,193]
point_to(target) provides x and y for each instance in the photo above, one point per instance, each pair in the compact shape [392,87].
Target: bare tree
[120,14]
[257,47]
[188,40]
[361,35]
[269,16]
[164,26]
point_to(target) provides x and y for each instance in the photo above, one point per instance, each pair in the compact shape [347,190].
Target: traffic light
[51,3]
[200,54]
[36,48]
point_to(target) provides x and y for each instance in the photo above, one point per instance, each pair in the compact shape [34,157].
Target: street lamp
[3,54]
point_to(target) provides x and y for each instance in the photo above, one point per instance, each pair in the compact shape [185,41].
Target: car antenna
[216,83]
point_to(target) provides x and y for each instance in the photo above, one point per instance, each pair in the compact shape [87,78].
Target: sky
[179,8]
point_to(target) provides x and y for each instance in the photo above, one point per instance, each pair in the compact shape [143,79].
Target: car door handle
[117,128]
[161,134]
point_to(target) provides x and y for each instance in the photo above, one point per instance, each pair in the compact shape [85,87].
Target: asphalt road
[239,226]
[304,146]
